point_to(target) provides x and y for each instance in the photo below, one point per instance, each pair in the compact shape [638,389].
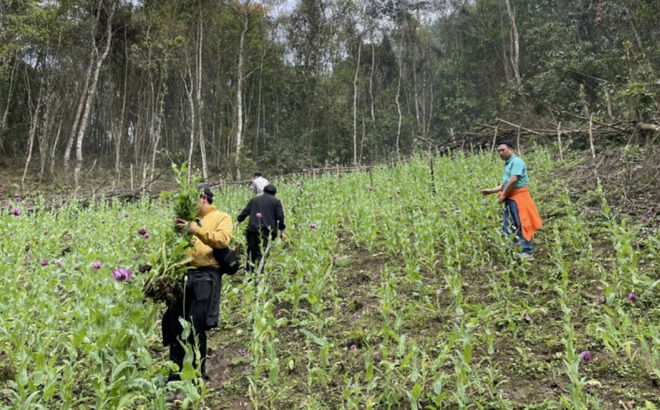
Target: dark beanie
[206,190]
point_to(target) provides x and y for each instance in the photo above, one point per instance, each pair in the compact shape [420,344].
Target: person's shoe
[526,257]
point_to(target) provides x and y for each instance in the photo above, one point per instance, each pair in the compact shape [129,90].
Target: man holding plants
[266,217]
[199,303]
[520,214]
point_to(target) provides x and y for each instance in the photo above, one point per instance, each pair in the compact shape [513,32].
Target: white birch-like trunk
[239,97]
[53,149]
[398,100]
[515,43]
[200,102]
[191,104]
[118,132]
[33,131]
[92,94]
[355,96]
[371,80]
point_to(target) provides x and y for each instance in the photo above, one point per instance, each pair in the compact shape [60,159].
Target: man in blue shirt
[520,215]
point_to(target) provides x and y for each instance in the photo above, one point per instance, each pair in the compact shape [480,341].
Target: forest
[237,85]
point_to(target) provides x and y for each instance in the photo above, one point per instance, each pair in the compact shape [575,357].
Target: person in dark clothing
[266,218]
[200,299]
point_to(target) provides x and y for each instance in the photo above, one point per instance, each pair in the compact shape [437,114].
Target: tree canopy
[233,85]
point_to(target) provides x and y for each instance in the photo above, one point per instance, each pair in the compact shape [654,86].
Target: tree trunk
[119,131]
[515,43]
[371,80]
[92,91]
[199,100]
[3,120]
[239,96]
[398,102]
[191,104]
[53,149]
[355,97]
[33,127]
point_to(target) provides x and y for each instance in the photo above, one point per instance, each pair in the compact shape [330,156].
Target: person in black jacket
[266,217]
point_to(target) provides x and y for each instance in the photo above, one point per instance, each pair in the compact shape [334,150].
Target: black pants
[257,242]
[195,306]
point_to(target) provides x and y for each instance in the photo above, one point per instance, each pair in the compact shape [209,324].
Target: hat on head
[270,189]
[206,191]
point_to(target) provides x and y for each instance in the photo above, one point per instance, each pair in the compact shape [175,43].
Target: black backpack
[227,259]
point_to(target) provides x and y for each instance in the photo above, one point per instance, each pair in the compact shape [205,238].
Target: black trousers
[195,306]
[257,242]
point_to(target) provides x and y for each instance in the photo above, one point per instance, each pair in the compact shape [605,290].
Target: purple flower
[2,191]
[258,214]
[122,274]
[103,221]
[17,212]
[313,226]
[142,231]
[126,215]
[44,262]
[649,212]
[251,188]
[334,257]
[298,185]
[356,316]
[353,347]
[585,356]
[632,297]
[243,352]
[5,202]
[97,265]
[398,192]
[17,197]
[58,264]
[644,219]
[389,179]
[371,187]
[391,197]
[146,236]
[518,245]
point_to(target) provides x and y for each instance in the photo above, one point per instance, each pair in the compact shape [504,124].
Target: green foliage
[169,263]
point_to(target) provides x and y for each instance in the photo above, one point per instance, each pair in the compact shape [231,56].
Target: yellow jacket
[213,231]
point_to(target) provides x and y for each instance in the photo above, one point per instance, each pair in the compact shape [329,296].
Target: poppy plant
[585,356]
[122,274]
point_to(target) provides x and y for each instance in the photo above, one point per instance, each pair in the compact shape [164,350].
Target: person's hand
[283,236]
[183,224]
[486,192]
[501,199]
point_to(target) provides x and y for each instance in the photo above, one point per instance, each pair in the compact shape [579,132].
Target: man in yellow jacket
[520,214]
[200,301]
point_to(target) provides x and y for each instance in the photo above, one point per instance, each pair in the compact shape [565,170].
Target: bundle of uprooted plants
[170,262]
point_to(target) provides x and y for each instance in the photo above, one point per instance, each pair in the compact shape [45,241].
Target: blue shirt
[515,166]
